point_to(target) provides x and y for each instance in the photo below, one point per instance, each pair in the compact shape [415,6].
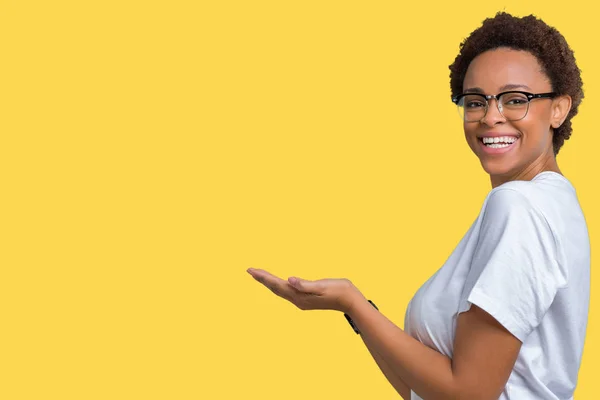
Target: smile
[495,145]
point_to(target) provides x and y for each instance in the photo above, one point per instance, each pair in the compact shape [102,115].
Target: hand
[324,294]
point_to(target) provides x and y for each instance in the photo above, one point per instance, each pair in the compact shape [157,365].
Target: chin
[496,167]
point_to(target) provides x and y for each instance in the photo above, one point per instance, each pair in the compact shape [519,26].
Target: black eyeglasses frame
[488,97]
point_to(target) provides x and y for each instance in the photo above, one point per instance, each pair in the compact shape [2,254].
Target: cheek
[469,129]
[536,134]
[535,129]
[470,136]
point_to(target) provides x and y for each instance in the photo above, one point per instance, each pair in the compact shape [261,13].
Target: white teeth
[501,139]
[497,145]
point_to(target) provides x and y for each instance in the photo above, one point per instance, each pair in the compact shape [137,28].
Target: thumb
[303,285]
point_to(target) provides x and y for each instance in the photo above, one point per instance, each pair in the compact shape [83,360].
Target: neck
[547,162]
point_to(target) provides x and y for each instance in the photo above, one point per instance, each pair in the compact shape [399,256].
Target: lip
[497,134]
[502,150]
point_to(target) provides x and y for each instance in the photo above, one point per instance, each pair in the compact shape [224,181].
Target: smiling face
[529,150]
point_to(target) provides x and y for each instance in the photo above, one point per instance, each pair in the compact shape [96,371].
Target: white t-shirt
[526,261]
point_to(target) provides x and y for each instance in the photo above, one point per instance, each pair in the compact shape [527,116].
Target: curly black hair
[535,36]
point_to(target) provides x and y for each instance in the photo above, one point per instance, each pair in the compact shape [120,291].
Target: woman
[505,316]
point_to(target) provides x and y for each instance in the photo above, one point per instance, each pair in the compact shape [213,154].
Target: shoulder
[515,209]
[512,198]
[548,199]
[513,230]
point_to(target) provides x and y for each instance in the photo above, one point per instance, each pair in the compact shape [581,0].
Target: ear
[561,106]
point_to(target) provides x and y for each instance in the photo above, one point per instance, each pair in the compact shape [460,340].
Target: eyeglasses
[513,105]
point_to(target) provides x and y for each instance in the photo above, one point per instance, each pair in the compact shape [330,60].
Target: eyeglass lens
[513,106]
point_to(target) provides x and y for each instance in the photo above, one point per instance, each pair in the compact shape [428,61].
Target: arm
[515,274]
[396,382]
[484,355]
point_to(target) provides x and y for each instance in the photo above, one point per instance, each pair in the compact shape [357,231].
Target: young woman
[505,316]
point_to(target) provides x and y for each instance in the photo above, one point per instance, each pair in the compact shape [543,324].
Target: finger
[262,275]
[286,293]
[277,285]
[258,272]
[306,286]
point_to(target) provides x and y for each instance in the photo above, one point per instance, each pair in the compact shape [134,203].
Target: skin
[484,351]
[490,73]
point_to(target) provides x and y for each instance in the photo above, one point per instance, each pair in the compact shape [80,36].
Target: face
[501,70]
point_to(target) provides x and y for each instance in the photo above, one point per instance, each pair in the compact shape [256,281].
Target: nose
[493,116]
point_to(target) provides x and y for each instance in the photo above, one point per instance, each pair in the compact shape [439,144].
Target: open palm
[322,294]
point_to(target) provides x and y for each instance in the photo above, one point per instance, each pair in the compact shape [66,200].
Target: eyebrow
[510,86]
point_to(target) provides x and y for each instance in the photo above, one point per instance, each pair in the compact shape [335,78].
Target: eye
[514,100]
[475,104]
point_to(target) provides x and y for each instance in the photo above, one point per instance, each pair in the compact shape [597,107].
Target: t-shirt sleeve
[515,273]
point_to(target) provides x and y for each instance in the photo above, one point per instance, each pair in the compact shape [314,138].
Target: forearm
[394,380]
[424,370]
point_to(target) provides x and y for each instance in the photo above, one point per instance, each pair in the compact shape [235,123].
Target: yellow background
[152,151]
